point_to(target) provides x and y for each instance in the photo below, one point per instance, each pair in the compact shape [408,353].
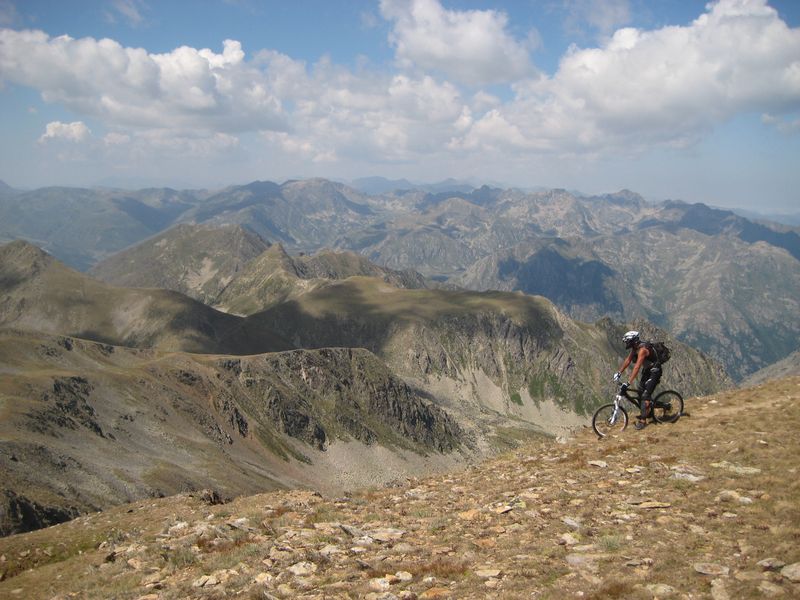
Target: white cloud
[639,89]
[664,87]
[71,132]
[185,88]
[472,47]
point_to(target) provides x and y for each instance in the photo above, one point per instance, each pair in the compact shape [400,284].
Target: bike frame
[618,398]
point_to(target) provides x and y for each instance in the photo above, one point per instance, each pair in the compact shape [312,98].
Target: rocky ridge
[716,279]
[706,507]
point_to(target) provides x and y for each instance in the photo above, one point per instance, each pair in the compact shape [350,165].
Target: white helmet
[631,338]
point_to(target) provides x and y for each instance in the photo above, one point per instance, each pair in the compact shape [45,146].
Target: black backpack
[661,351]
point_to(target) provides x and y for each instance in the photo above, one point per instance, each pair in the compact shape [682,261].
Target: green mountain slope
[274,277]
[41,294]
[196,260]
[502,352]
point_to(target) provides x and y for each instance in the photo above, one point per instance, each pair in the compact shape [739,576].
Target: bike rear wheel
[667,407]
[606,422]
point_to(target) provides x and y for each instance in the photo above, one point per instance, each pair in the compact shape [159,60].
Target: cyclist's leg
[650,379]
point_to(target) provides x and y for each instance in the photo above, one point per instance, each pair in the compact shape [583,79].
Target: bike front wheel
[609,419]
[667,407]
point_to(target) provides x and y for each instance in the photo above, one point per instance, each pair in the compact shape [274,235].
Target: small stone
[711,569]
[263,578]
[178,529]
[330,549]
[633,563]
[354,532]
[501,510]
[387,534]
[404,576]
[688,477]
[727,496]
[771,564]
[599,463]
[654,504]
[435,592]
[661,590]
[491,583]
[488,573]
[570,522]
[792,572]
[770,589]
[303,569]
[567,539]
[205,581]
[379,584]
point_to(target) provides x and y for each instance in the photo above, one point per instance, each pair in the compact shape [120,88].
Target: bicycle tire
[667,406]
[601,420]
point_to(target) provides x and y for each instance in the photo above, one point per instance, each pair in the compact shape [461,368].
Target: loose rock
[792,572]
[711,569]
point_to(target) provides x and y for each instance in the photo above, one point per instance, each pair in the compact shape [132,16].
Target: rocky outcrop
[19,514]
[318,396]
[92,428]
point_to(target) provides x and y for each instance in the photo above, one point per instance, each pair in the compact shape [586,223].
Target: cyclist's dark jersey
[648,362]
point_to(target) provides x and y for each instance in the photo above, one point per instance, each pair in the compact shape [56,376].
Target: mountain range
[721,282]
[352,380]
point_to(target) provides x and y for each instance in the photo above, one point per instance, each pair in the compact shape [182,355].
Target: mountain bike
[667,407]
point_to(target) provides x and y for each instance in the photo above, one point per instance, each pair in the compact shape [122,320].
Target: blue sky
[686,100]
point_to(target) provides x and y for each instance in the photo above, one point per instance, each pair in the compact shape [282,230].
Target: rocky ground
[708,507]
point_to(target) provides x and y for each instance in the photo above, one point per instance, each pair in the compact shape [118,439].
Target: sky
[671,99]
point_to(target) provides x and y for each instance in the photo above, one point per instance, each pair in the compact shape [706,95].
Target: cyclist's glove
[623,388]
[617,375]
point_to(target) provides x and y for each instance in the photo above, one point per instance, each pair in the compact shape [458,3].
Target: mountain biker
[646,360]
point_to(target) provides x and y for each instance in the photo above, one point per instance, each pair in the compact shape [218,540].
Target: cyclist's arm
[643,354]
[627,361]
